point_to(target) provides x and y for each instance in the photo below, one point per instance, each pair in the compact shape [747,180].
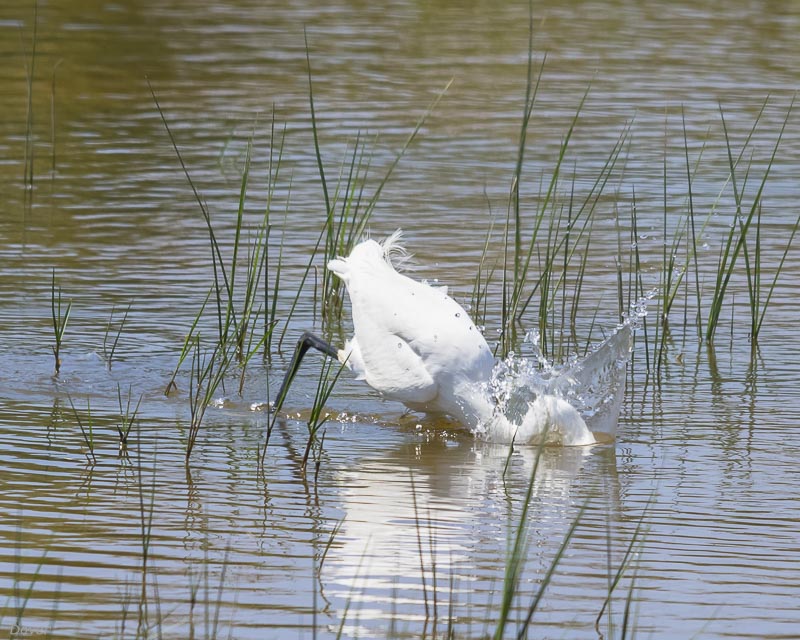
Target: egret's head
[366,251]
[369,254]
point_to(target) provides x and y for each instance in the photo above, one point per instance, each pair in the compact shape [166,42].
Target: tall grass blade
[187,346]
[108,355]
[731,249]
[86,431]
[627,558]
[22,598]
[762,312]
[551,569]
[29,141]
[325,387]
[273,172]
[219,264]
[60,321]
[53,127]
[314,130]
[418,529]
[341,234]
[127,418]
[692,226]
[515,560]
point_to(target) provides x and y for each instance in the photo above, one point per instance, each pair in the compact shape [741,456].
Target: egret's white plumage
[415,344]
[412,342]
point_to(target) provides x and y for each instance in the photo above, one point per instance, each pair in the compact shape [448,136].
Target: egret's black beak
[306,341]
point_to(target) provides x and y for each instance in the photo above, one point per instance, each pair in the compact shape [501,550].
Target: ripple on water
[395,515]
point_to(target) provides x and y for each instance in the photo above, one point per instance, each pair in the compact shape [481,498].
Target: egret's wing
[351,355]
[393,367]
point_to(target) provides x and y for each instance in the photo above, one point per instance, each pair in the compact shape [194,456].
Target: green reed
[237,313]
[676,273]
[206,376]
[629,559]
[234,294]
[273,174]
[108,352]
[60,319]
[670,281]
[319,416]
[741,222]
[479,300]
[512,289]
[517,553]
[126,418]
[758,307]
[551,570]
[752,260]
[22,595]
[271,318]
[53,127]
[569,220]
[232,324]
[694,232]
[637,291]
[545,264]
[342,230]
[87,430]
[516,559]
[146,511]
[256,270]
[29,137]
[188,344]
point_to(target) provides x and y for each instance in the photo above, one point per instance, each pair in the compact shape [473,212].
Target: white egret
[415,344]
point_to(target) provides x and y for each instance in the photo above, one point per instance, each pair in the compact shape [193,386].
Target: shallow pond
[397,526]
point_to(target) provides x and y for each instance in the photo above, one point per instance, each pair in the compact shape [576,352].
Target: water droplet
[399,345]
[458,315]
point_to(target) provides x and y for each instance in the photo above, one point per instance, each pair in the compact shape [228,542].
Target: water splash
[576,403]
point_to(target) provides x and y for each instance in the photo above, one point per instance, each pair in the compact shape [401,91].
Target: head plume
[395,253]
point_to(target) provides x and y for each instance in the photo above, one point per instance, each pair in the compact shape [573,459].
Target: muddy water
[405,527]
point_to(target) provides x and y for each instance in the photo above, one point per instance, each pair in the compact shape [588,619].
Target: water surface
[406,526]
